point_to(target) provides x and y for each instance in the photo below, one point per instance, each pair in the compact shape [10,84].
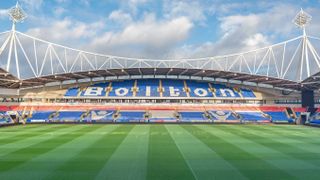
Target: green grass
[159,152]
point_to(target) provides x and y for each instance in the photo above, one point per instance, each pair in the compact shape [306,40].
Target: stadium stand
[94,90]
[199,89]
[40,116]
[148,88]
[99,116]
[72,92]
[161,116]
[253,116]
[223,91]
[131,116]
[279,117]
[315,118]
[4,118]
[157,87]
[173,88]
[193,117]
[223,116]
[247,93]
[280,114]
[154,114]
[68,116]
[122,88]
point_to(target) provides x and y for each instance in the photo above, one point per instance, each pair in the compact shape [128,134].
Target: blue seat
[316,122]
[96,88]
[40,116]
[279,116]
[131,116]
[175,84]
[315,118]
[192,117]
[69,116]
[247,93]
[194,85]
[4,118]
[71,92]
[152,83]
[224,91]
[253,116]
[121,85]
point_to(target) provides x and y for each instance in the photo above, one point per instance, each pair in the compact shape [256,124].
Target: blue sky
[163,29]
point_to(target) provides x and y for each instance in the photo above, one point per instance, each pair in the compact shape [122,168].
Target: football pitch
[151,151]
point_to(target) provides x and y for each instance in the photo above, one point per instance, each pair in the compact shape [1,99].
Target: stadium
[67,113]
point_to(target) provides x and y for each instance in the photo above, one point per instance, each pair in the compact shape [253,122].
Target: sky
[163,29]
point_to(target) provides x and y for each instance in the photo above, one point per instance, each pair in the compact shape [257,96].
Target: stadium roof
[147,72]
[27,61]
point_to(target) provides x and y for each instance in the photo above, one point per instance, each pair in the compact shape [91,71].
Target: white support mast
[17,15]
[301,20]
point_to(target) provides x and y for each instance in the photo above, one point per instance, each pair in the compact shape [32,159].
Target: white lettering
[121,91]
[174,92]
[93,91]
[201,92]
[148,91]
[225,91]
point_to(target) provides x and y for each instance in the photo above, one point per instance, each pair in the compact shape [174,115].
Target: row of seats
[4,118]
[156,88]
[315,118]
[157,116]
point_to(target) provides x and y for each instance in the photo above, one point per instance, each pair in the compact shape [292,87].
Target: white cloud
[58,11]
[66,30]
[149,34]
[166,37]
[256,40]
[3,13]
[136,2]
[32,5]
[120,17]
[132,6]
[240,33]
[191,9]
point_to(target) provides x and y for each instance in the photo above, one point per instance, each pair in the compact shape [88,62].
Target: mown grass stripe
[24,134]
[288,136]
[296,151]
[164,158]
[17,128]
[247,163]
[28,142]
[46,164]
[182,154]
[131,156]
[25,154]
[205,163]
[299,129]
[88,163]
[295,135]
[21,130]
[302,170]
[265,138]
